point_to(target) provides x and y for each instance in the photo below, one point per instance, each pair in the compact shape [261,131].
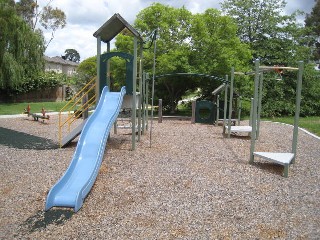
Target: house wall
[53,67]
[60,66]
[68,70]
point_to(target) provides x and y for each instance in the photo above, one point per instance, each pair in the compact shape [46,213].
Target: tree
[216,48]
[50,18]
[312,22]
[21,51]
[173,50]
[201,43]
[275,38]
[72,55]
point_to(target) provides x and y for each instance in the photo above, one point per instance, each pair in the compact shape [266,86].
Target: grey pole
[134,93]
[147,101]
[153,75]
[143,102]
[259,104]
[296,117]
[230,101]
[254,112]
[225,105]
[140,98]
[251,111]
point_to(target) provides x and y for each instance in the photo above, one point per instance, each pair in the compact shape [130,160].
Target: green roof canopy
[113,27]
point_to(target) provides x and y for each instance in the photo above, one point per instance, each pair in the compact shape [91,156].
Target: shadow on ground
[20,140]
[42,219]
[270,167]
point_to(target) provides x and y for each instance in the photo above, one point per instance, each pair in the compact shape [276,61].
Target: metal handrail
[76,100]
[78,93]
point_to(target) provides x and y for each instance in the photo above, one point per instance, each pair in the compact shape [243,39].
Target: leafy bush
[42,81]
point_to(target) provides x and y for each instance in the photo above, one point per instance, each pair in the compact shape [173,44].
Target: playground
[194,183]
[135,178]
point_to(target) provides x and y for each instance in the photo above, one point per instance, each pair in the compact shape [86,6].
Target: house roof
[113,27]
[60,60]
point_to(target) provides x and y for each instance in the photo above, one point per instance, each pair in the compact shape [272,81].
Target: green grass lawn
[18,108]
[312,124]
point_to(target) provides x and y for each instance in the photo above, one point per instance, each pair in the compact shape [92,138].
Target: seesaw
[36,116]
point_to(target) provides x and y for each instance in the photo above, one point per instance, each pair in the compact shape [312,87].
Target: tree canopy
[212,42]
[49,18]
[72,55]
[21,51]
[191,43]
[274,37]
[277,39]
[312,21]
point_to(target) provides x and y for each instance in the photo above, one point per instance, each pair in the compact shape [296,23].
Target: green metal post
[98,69]
[251,111]
[296,117]
[108,68]
[254,112]
[230,101]
[217,117]
[134,93]
[143,103]
[140,95]
[147,100]
[225,104]
[259,104]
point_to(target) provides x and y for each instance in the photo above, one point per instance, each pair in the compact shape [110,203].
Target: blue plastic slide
[77,181]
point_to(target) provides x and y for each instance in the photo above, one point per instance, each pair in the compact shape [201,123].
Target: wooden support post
[64,92]
[85,109]
[160,111]
[193,116]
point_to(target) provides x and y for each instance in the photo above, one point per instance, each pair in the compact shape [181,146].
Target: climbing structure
[108,31]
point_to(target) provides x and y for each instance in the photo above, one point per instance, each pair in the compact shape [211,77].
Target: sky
[85,17]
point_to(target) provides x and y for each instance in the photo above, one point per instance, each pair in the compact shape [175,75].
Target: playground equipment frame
[284,159]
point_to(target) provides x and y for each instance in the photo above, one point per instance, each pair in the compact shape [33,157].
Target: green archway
[104,69]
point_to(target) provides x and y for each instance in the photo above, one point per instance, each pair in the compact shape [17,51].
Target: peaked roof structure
[60,60]
[113,27]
